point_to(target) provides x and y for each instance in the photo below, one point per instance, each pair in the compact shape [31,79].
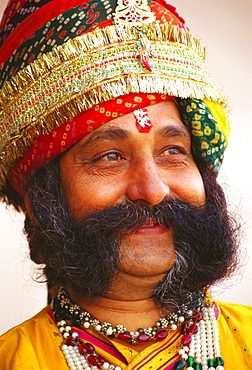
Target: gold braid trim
[93,68]
[88,43]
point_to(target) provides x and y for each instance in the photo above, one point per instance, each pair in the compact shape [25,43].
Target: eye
[172,151]
[113,156]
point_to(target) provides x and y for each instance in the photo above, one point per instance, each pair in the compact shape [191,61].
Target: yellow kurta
[36,343]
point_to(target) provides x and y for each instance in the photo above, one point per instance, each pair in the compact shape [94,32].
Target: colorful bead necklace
[196,319]
[80,355]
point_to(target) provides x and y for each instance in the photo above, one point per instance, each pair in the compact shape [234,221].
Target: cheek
[190,188]
[199,189]
[97,196]
[85,194]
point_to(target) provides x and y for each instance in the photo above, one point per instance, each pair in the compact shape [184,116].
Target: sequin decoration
[144,48]
[133,11]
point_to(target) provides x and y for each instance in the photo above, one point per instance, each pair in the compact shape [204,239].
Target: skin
[114,163]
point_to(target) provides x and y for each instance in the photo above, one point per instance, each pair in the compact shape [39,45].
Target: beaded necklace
[200,349]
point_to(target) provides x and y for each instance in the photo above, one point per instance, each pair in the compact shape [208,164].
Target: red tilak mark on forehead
[143,122]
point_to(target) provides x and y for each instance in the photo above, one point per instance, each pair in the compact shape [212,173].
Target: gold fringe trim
[88,43]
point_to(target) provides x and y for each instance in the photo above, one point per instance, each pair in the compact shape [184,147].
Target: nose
[145,183]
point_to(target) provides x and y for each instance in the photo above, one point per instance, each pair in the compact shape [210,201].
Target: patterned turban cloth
[68,66]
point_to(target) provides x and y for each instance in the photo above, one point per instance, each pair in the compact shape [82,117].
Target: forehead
[160,113]
[164,116]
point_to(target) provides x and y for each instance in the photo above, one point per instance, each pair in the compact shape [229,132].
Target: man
[112,137]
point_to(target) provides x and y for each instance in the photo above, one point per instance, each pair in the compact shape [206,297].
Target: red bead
[185,328]
[186,339]
[197,316]
[125,335]
[93,360]
[89,347]
[193,329]
[101,360]
[142,338]
[82,349]
[161,334]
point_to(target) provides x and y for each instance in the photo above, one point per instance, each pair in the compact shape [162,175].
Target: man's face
[116,163]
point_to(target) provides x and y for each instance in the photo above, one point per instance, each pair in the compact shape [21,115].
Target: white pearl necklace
[76,361]
[203,351]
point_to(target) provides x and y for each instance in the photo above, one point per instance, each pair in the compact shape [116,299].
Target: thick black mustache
[202,241]
[130,216]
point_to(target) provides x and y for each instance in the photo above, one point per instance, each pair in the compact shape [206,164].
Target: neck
[128,303]
[133,315]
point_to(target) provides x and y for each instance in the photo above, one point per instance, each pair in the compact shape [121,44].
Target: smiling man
[112,135]
[116,164]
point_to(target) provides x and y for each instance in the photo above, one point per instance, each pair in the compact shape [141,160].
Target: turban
[68,66]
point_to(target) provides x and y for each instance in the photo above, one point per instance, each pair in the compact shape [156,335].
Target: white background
[225,27]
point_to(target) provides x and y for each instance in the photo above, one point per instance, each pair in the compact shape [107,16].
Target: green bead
[219,361]
[197,366]
[190,361]
[211,362]
[180,365]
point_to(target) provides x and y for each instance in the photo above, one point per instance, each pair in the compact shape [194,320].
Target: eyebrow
[111,133]
[173,131]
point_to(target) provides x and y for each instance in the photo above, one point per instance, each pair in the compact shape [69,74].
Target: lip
[151,227]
